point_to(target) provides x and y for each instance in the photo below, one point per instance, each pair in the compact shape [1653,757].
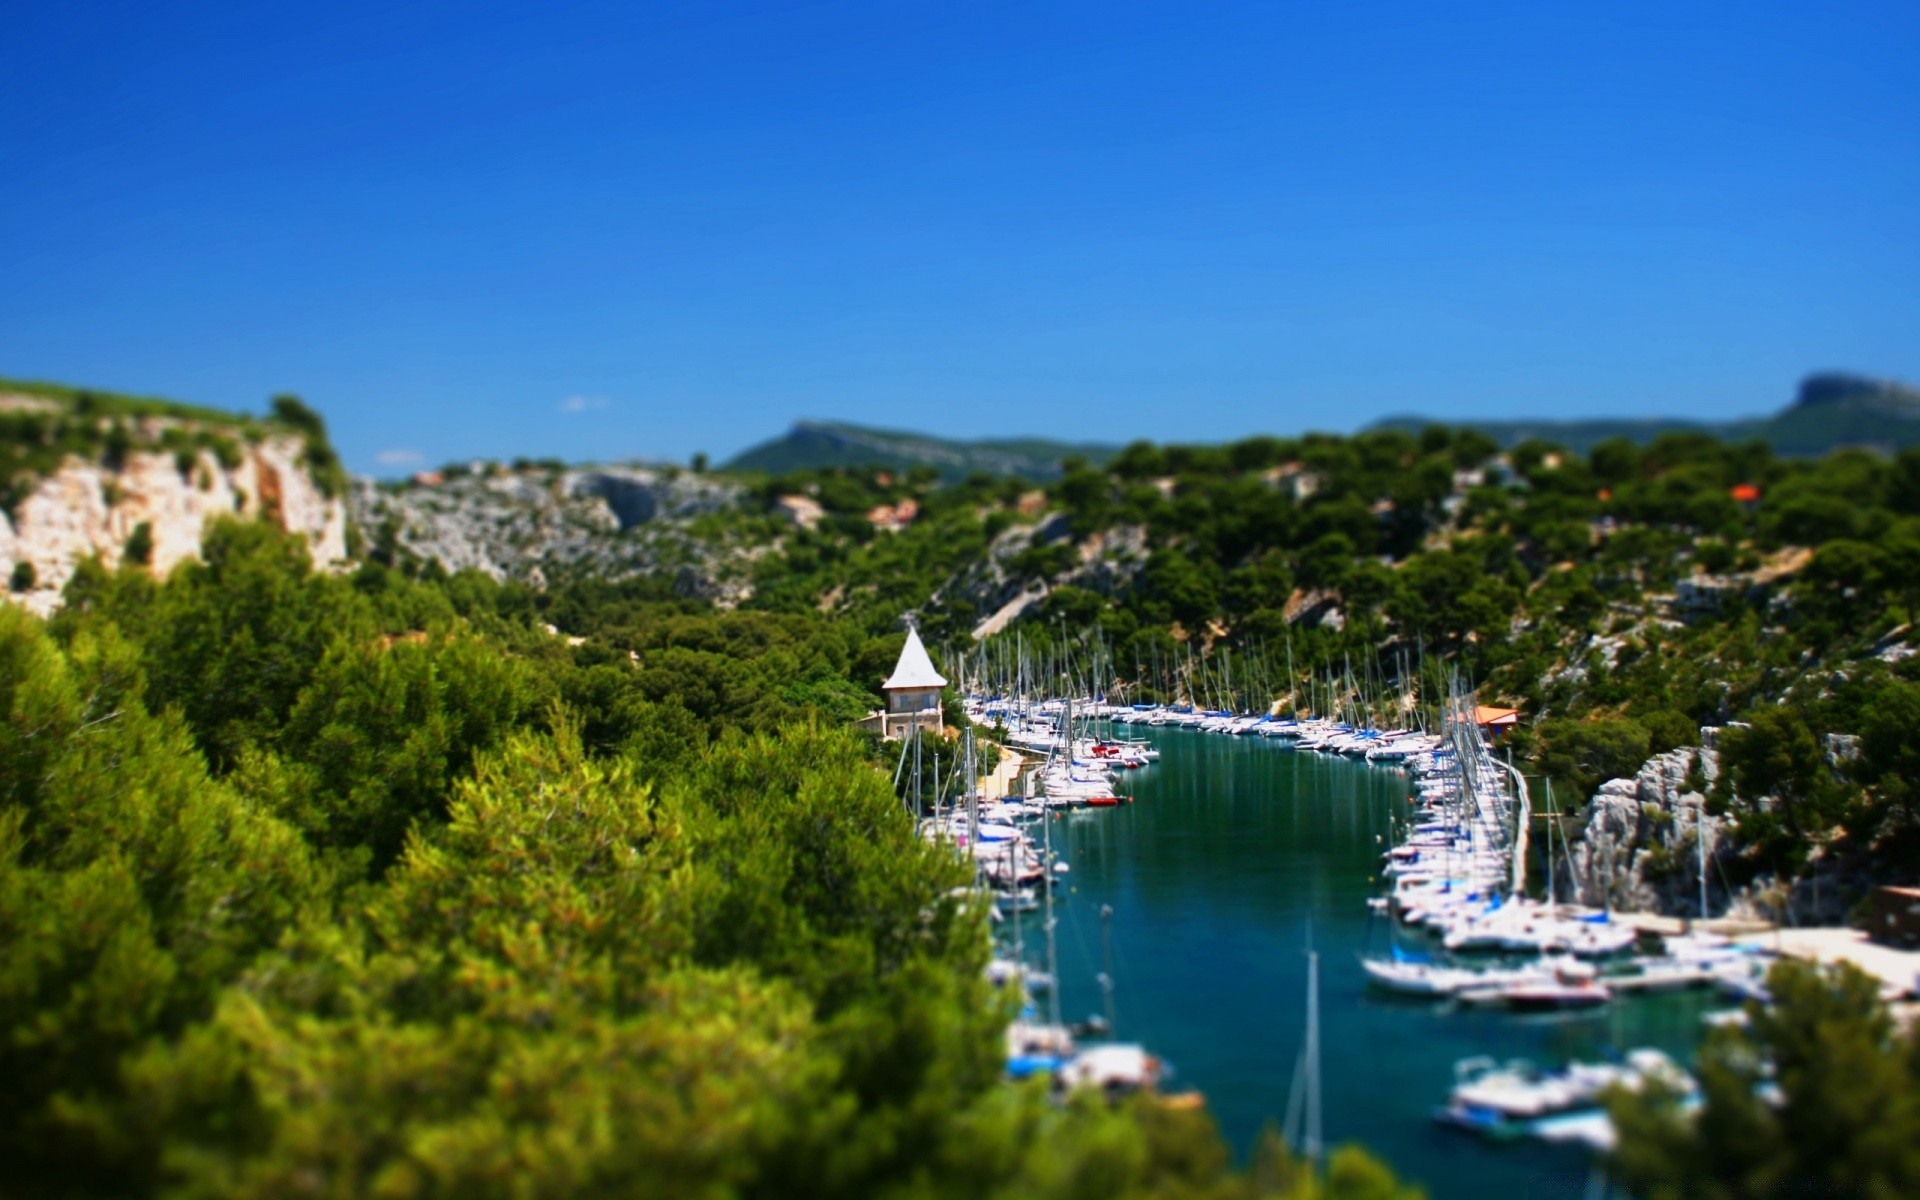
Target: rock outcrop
[87,509]
[1641,846]
[536,523]
[997,587]
[1640,849]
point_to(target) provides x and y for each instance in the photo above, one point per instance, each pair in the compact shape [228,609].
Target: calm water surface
[1232,848]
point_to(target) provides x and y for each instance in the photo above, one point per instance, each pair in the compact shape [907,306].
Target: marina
[1184,917]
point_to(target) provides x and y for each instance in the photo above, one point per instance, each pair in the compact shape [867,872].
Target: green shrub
[139,548]
[1668,729]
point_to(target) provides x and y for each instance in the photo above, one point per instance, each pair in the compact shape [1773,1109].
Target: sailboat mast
[1106,962]
[1553,897]
[1053,949]
[1013,902]
[1303,1126]
[973,796]
[1313,1058]
[917,809]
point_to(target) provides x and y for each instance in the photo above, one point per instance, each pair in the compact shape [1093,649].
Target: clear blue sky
[650,229]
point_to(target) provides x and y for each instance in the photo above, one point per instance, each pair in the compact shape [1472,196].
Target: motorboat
[1516,1098]
[1116,1069]
[1004,971]
[1418,978]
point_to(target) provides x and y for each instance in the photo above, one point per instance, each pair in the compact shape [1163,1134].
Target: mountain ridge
[813,444]
[1830,411]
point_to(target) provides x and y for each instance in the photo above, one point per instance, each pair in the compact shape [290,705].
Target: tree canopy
[369,884]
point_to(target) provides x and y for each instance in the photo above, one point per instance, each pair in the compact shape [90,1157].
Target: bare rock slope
[531,523]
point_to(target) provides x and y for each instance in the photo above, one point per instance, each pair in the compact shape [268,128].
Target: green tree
[1186,588]
[320,457]
[1669,730]
[1890,754]
[1087,496]
[139,548]
[1777,754]
[1845,1123]
[132,889]
[1586,754]
[1841,581]
[385,729]
[234,640]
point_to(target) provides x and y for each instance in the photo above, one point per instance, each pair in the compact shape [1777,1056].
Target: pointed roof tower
[915,669]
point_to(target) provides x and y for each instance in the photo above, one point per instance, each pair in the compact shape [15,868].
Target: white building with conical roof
[913,693]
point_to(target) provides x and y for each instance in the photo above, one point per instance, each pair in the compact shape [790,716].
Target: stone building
[913,694]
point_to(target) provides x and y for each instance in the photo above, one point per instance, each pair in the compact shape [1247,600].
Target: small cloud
[398,458]
[580,404]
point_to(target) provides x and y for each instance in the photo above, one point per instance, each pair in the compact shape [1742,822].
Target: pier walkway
[998,784]
[1524,819]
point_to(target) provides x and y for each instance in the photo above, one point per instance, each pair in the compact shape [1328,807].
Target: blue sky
[650,229]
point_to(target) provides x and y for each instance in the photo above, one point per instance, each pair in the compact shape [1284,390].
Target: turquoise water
[1232,847]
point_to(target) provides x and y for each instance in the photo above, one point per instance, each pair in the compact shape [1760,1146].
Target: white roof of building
[915,669]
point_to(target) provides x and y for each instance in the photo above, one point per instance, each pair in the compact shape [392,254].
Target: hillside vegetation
[407,879]
[44,424]
[1621,597]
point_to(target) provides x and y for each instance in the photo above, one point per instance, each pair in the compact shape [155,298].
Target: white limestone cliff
[86,509]
[1641,842]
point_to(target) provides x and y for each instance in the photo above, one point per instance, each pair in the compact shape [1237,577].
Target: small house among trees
[1496,721]
[913,694]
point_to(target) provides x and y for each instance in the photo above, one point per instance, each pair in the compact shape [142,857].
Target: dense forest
[369,884]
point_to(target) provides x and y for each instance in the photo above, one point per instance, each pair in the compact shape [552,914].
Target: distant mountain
[1833,409]
[813,444]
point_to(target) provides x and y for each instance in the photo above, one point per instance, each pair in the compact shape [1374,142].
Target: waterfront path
[1523,819]
[1897,969]
[999,783]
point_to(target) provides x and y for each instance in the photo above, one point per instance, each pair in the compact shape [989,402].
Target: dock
[1898,970]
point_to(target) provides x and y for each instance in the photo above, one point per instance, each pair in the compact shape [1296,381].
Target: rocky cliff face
[530,523]
[1641,846]
[88,508]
